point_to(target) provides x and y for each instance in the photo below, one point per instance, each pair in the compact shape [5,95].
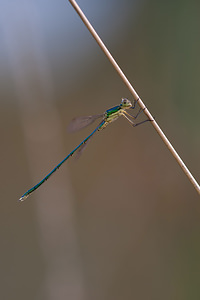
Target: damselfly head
[126,103]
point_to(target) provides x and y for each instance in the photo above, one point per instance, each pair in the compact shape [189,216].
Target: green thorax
[112,112]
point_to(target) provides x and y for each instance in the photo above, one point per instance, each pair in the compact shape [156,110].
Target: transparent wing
[82,122]
[82,148]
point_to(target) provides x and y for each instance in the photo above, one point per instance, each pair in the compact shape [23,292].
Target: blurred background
[122,222]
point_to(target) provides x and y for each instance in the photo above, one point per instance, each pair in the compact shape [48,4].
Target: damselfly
[109,116]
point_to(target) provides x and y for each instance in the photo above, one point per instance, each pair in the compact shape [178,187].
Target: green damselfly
[109,116]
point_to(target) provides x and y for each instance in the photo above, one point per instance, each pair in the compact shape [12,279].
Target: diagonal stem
[135,95]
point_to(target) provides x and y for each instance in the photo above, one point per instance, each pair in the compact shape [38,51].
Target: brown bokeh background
[122,222]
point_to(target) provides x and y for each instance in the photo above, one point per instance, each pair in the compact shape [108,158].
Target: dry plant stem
[136,96]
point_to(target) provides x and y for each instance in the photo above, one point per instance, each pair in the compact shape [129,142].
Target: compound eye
[125,102]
